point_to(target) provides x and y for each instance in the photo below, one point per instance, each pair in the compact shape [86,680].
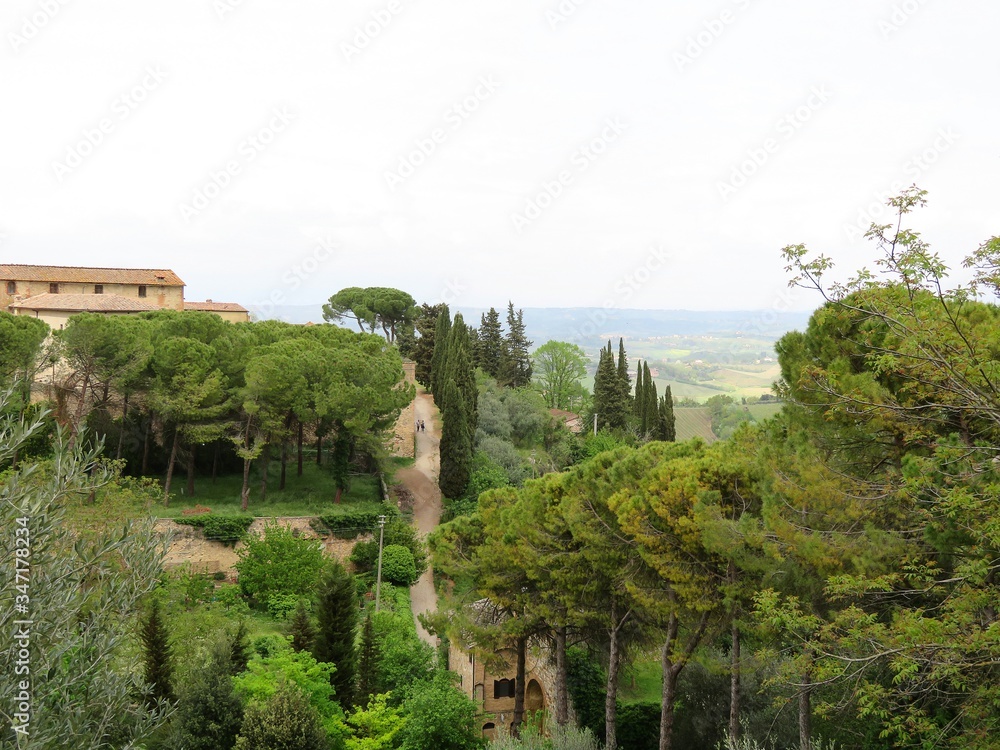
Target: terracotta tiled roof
[77,274]
[83,303]
[210,306]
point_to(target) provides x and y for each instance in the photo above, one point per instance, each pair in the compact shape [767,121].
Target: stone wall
[188,545]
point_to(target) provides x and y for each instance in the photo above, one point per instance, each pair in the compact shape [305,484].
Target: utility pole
[595,425]
[378,579]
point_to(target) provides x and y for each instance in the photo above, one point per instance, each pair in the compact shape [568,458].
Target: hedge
[350,521]
[228,529]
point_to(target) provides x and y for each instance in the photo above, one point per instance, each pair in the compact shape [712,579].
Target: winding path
[421,480]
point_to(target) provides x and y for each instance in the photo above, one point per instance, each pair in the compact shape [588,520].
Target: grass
[642,683]
[311,494]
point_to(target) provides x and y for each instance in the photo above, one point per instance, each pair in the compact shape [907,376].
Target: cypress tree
[456,445]
[440,358]
[460,370]
[490,354]
[625,382]
[649,402]
[209,713]
[666,425]
[337,619]
[368,663]
[301,628]
[639,401]
[423,347]
[517,360]
[239,648]
[610,404]
[158,657]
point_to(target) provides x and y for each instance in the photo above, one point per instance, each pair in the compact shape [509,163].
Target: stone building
[493,688]
[54,293]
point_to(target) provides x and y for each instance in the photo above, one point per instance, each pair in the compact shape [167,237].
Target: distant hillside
[588,326]
[695,421]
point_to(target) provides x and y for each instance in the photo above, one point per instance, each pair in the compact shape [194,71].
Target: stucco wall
[161,296]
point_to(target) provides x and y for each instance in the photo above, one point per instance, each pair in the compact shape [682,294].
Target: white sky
[891,75]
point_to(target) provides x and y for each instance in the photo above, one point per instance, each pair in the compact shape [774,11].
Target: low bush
[350,521]
[227,529]
[397,565]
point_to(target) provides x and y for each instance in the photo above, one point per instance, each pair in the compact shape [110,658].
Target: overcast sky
[637,153]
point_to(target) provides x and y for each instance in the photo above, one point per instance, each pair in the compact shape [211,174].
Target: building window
[11,287]
[142,290]
[98,288]
[503,688]
[53,289]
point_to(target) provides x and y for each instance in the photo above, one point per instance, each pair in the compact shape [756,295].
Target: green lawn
[643,682]
[311,494]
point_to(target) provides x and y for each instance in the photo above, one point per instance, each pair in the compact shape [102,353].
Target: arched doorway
[534,699]
[489,730]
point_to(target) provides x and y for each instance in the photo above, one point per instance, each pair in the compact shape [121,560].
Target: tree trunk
[562,699]
[735,695]
[170,468]
[299,468]
[284,464]
[336,498]
[190,468]
[522,653]
[263,473]
[145,446]
[215,460]
[245,491]
[669,694]
[611,693]
[319,450]
[121,432]
[78,418]
[805,713]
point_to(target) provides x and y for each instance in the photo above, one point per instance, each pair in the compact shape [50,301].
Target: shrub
[350,521]
[285,720]
[398,566]
[397,531]
[279,606]
[279,563]
[227,529]
[440,716]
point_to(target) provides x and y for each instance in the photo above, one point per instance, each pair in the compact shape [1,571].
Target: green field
[699,367]
[309,495]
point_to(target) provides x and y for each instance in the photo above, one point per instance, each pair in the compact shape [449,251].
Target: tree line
[842,556]
[185,382]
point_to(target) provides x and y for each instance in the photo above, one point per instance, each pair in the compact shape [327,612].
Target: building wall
[57,319]
[232,317]
[478,684]
[171,297]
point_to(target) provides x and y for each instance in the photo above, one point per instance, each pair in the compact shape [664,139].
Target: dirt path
[421,480]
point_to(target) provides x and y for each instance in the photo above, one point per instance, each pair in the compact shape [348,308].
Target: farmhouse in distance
[54,293]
